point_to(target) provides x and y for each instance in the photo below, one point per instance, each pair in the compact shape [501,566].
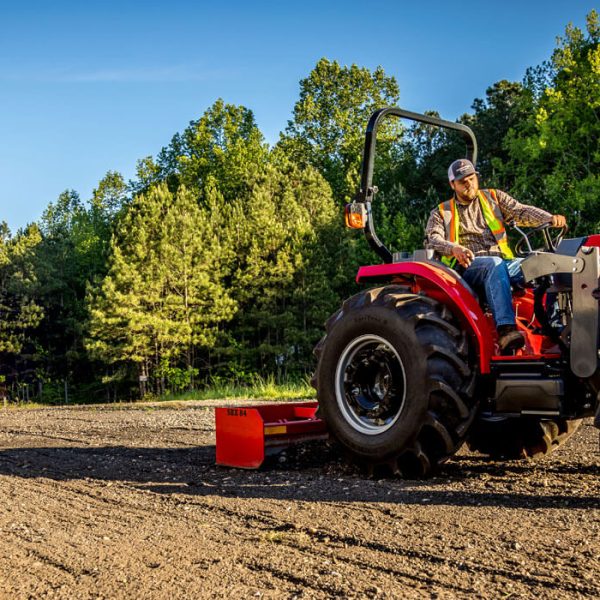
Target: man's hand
[463,255]
[558,221]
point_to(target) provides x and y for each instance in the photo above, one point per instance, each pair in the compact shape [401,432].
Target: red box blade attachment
[247,434]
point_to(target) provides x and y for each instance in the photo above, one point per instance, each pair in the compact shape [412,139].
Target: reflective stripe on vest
[450,218]
[493,218]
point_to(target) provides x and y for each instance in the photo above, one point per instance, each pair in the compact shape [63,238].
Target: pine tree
[163,296]
[20,312]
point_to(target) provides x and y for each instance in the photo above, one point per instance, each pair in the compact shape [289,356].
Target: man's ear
[451,184]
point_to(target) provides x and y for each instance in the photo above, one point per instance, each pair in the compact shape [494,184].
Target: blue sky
[87,87]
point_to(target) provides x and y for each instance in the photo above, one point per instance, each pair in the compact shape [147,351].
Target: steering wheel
[550,242]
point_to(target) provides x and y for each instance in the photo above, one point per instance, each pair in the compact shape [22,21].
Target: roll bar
[366,191]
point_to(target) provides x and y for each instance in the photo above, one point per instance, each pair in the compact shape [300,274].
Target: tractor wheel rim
[370,384]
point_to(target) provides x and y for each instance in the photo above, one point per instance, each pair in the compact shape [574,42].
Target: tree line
[223,257]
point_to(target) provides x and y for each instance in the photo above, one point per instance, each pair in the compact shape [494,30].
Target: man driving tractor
[470,236]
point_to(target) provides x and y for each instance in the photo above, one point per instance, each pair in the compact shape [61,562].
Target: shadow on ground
[313,474]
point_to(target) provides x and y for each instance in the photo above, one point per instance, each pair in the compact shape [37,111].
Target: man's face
[466,188]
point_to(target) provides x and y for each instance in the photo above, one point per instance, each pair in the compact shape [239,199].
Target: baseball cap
[461,168]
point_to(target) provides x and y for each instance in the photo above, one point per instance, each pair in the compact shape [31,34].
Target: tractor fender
[444,285]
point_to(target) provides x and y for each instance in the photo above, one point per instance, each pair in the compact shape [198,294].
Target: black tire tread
[450,378]
[520,438]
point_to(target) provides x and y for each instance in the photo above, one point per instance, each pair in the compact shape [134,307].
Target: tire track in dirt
[39,434]
[549,582]
[108,527]
[140,512]
[365,567]
[250,520]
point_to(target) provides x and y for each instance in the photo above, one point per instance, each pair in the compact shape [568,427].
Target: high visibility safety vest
[492,215]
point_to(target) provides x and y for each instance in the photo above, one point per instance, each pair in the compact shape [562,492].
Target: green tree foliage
[20,313]
[94,226]
[224,144]
[109,197]
[69,255]
[330,117]
[555,156]
[283,275]
[163,295]
[224,257]
[147,174]
[503,108]
[61,284]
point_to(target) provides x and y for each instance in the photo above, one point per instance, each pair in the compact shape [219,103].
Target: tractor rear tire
[519,437]
[394,381]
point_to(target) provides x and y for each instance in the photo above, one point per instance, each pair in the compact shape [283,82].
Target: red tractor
[409,368]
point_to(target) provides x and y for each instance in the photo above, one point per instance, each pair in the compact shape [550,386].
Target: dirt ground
[126,502]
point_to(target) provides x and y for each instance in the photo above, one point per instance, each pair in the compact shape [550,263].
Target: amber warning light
[355,215]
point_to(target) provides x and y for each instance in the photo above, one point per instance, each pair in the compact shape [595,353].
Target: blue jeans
[491,277]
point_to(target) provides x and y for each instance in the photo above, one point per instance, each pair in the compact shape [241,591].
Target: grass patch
[290,538]
[23,405]
[260,389]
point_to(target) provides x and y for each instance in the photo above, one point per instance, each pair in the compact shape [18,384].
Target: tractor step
[246,435]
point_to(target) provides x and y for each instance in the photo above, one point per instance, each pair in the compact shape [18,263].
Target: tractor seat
[430,256]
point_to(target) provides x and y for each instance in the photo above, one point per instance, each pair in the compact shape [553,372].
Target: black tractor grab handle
[367,191]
